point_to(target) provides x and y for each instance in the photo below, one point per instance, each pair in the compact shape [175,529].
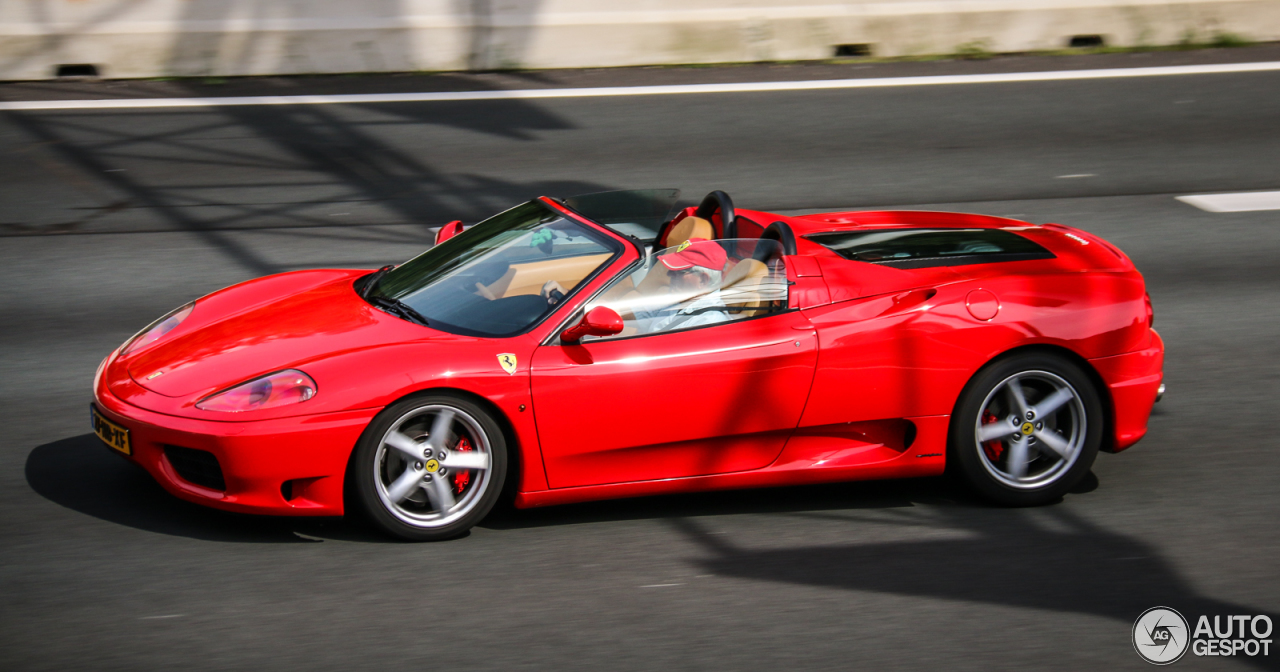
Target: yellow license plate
[112,434]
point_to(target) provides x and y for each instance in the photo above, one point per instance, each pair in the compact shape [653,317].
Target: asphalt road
[107,220]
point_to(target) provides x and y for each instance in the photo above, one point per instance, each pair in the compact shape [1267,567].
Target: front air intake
[196,466]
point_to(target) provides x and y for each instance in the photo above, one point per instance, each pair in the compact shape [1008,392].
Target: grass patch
[1229,41]
[974,50]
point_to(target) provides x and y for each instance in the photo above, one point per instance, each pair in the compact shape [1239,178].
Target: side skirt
[833,453]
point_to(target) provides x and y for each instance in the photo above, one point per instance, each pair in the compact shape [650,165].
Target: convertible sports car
[612,345]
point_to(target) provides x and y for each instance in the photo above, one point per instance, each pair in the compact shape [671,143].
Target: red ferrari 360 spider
[612,345]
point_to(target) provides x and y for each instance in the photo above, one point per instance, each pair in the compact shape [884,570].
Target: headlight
[156,330]
[282,388]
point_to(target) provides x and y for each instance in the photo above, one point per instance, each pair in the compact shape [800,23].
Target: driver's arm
[553,292]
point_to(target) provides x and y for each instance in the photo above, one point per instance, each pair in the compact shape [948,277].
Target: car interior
[752,282]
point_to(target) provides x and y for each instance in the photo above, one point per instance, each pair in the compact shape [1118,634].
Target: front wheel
[1026,429]
[430,467]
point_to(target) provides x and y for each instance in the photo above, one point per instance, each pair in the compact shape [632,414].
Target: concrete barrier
[156,38]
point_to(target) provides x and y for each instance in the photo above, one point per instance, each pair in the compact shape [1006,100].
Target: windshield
[501,276]
[638,212]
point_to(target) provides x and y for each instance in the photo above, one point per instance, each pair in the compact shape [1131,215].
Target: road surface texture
[110,218]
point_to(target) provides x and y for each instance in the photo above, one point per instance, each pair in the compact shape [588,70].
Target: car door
[710,399]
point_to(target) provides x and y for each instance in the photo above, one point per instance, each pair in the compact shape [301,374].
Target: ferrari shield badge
[508,362]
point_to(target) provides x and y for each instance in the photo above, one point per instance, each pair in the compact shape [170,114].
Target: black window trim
[939,261]
[964,259]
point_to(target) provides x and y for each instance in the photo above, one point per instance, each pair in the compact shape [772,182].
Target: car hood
[265,325]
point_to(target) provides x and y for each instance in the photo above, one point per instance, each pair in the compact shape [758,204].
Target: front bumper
[288,466]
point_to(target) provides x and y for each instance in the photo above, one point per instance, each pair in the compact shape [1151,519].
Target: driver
[696,269]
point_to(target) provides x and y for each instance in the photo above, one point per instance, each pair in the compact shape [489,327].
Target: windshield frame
[611,240]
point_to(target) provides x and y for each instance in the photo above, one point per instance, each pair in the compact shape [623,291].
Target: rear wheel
[430,467]
[1027,429]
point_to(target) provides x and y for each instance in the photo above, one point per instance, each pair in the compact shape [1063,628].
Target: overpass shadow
[1046,558]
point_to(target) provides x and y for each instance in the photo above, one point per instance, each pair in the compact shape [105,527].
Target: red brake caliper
[462,477]
[993,448]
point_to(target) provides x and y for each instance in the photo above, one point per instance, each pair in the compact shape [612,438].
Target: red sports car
[612,345]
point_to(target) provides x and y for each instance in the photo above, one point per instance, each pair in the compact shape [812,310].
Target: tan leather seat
[740,288]
[529,277]
[689,227]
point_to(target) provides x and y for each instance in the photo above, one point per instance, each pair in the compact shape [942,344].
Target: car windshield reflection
[638,213]
[502,276]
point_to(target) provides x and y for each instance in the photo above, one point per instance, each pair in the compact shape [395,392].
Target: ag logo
[1160,635]
[508,362]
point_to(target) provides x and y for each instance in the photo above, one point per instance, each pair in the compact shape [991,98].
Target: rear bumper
[1133,383]
[256,458]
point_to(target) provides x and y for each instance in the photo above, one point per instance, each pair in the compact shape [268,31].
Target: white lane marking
[152,618]
[1069,177]
[743,87]
[1242,202]
[662,585]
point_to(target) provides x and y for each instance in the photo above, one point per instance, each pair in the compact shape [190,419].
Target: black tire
[449,497]
[1038,459]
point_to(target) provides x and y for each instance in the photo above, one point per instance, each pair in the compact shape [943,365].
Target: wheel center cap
[432,466]
[1028,428]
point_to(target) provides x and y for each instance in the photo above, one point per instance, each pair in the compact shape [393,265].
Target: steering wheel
[718,201]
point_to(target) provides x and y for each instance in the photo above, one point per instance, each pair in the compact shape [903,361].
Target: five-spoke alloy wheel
[1026,429]
[430,467]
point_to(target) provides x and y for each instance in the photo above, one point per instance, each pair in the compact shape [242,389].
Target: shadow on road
[808,498]
[79,473]
[82,475]
[284,168]
[887,494]
[1046,558]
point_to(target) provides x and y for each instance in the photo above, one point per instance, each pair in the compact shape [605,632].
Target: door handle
[908,300]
